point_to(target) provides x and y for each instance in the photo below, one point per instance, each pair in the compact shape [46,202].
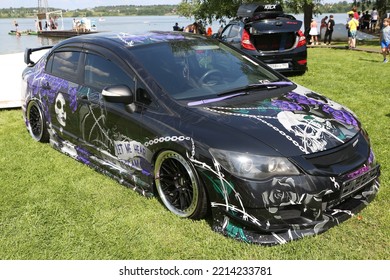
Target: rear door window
[64,65]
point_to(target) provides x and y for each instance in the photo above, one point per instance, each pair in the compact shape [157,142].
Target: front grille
[353,185]
[274,41]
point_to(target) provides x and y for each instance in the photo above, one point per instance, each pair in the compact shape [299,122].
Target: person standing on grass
[313,32]
[385,39]
[329,30]
[352,26]
[374,19]
[323,25]
[366,21]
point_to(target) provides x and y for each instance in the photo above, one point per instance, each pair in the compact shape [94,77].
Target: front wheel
[36,122]
[179,187]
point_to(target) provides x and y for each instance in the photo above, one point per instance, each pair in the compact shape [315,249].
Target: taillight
[246,42]
[302,39]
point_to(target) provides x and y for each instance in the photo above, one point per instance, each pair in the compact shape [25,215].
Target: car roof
[127,40]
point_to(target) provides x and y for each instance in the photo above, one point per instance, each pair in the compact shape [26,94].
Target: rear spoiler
[29,51]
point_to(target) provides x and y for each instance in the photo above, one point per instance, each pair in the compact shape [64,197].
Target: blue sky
[81,4]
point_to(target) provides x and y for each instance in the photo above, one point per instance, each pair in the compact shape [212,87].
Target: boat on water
[51,23]
[63,33]
[23,32]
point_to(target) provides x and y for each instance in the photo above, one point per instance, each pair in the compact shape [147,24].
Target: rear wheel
[36,122]
[179,187]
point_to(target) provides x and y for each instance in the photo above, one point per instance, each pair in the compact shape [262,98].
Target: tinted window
[64,65]
[232,31]
[226,31]
[199,68]
[100,73]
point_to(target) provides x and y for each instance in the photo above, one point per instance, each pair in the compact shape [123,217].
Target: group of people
[354,24]
[196,28]
[326,27]
[367,21]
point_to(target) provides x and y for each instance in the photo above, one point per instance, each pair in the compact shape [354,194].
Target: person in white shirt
[374,19]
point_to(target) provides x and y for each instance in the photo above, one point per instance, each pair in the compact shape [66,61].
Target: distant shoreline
[100,11]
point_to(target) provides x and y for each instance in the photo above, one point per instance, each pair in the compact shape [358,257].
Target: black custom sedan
[206,128]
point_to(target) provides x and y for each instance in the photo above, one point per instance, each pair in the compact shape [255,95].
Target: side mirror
[118,94]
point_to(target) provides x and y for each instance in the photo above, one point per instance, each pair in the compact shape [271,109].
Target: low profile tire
[179,187]
[36,122]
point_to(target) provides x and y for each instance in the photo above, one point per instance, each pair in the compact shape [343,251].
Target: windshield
[199,69]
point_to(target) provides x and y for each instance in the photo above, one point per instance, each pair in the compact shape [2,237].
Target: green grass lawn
[52,207]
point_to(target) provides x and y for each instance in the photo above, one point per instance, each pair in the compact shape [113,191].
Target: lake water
[129,24]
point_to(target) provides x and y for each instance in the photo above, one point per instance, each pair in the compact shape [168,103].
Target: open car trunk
[277,34]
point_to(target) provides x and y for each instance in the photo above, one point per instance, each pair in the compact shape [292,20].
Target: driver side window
[100,72]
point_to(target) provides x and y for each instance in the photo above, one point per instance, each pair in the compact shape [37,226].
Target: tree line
[125,10]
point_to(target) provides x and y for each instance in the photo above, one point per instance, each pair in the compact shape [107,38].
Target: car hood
[293,123]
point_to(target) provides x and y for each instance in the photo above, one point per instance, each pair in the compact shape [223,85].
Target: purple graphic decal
[73,99]
[287,105]
[133,40]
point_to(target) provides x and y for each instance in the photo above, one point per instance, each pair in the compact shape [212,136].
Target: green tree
[382,7]
[210,10]
[308,7]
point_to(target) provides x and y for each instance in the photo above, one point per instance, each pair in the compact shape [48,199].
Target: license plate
[279,66]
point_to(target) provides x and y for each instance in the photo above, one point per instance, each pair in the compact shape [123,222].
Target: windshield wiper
[216,99]
[249,87]
[240,91]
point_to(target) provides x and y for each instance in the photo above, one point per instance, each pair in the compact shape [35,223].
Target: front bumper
[285,209]
[241,229]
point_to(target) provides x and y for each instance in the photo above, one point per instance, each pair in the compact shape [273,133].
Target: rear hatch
[278,34]
[270,29]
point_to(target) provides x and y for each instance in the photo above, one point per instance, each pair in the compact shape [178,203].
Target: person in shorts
[352,27]
[385,39]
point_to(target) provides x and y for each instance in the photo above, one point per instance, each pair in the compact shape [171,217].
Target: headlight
[253,166]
